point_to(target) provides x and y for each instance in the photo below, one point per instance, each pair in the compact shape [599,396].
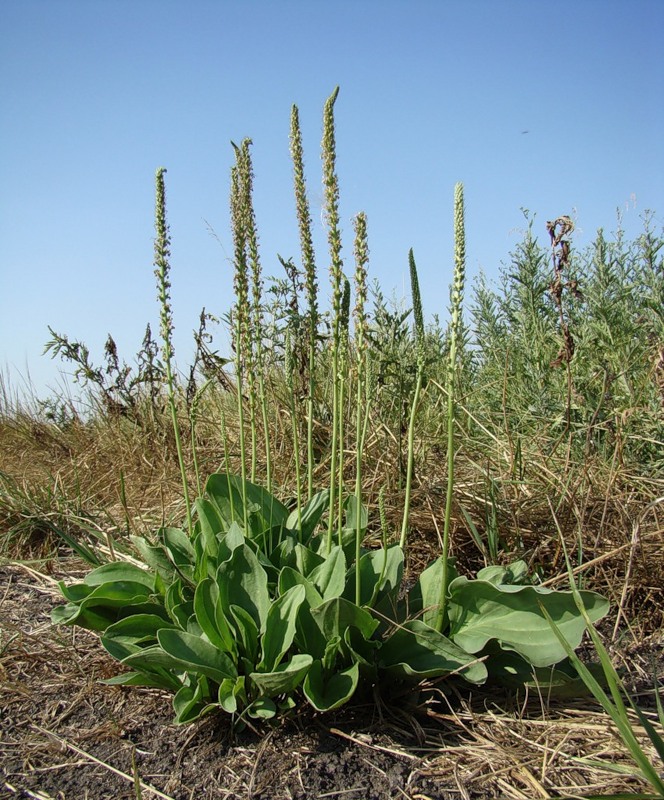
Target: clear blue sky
[96,95]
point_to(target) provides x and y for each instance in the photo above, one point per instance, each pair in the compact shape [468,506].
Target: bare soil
[65,735]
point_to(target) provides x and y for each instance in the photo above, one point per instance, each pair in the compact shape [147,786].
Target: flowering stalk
[361,260]
[162,253]
[241,309]
[311,283]
[419,339]
[331,184]
[455,327]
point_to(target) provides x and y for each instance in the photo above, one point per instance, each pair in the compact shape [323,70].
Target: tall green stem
[241,310]
[311,283]
[361,260]
[419,338]
[455,326]
[162,272]
[331,185]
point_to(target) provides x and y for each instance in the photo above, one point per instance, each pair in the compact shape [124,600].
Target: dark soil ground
[65,735]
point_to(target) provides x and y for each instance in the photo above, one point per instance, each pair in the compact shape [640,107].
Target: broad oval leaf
[417,650]
[243,582]
[196,654]
[210,616]
[280,628]
[285,678]
[335,616]
[326,694]
[330,576]
[136,629]
[120,571]
[480,611]
[310,515]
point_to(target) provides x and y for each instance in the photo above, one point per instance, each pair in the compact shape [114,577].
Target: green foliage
[243,618]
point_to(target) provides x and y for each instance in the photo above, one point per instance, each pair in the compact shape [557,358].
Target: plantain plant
[253,607]
[254,611]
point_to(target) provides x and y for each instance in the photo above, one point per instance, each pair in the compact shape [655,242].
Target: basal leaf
[480,611]
[311,514]
[151,679]
[210,616]
[285,678]
[192,700]
[196,654]
[424,597]
[327,693]
[211,525]
[120,571]
[136,629]
[263,708]
[247,633]
[243,582]
[516,573]
[180,550]
[330,576]
[308,635]
[155,557]
[374,564]
[417,650]
[334,616]
[280,628]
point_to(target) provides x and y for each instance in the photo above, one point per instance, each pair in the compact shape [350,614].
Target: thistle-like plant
[162,254]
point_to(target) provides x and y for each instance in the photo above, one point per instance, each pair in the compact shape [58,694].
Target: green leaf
[136,629]
[351,509]
[230,541]
[211,524]
[180,550]
[507,668]
[361,650]
[179,603]
[263,708]
[417,650]
[232,694]
[243,582]
[371,569]
[308,635]
[196,654]
[280,628]
[290,553]
[247,633]
[150,679]
[330,576]
[336,615]
[225,490]
[285,678]
[210,616]
[311,514]
[155,557]
[120,571]
[516,573]
[94,619]
[191,701]
[480,611]
[424,597]
[75,592]
[326,694]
